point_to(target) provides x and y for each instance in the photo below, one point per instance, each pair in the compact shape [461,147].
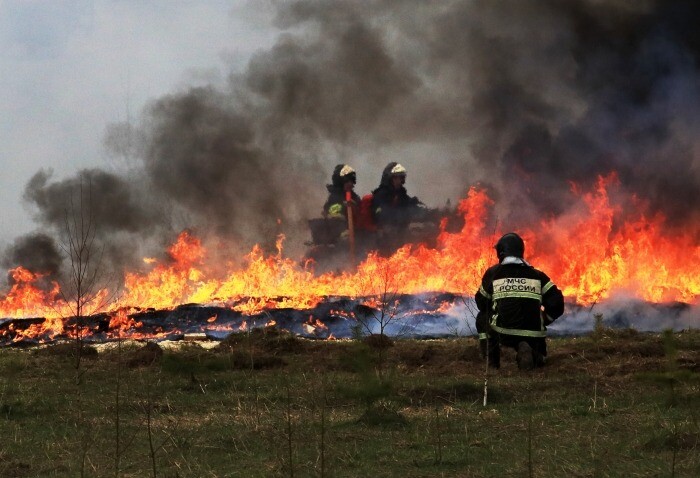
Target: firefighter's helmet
[510,244]
[398,170]
[342,174]
[392,169]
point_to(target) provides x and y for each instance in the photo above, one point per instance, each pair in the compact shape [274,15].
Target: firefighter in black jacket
[391,204]
[516,302]
[342,181]
[393,209]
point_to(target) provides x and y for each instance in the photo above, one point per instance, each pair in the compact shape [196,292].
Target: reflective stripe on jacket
[514,296]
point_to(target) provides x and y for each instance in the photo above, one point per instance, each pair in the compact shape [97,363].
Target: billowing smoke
[109,201]
[37,252]
[113,213]
[520,95]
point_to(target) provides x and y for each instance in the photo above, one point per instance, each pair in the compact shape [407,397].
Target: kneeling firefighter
[516,302]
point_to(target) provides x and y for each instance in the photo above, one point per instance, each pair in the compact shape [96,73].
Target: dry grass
[617,404]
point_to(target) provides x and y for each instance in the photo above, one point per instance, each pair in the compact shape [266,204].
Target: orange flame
[593,260]
[47,330]
[25,299]
[314,325]
[120,323]
[591,253]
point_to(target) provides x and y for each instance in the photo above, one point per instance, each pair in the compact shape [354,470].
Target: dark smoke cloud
[342,82]
[113,204]
[37,252]
[522,95]
[201,154]
[537,93]
[569,90]
[118,209]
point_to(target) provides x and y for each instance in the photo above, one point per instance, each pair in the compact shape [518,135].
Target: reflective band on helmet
[346,170]
[398,169]
[335,210]
[484,293]
[524,333]
[518,294]
[547,286]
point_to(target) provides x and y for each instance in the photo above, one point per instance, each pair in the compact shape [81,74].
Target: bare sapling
[530,466]
[117,406]
[380,286]
[438,436]
[289,430]
[84,290]
[81,291]
[322,445]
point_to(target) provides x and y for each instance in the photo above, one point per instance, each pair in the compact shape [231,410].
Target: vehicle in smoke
[335,244]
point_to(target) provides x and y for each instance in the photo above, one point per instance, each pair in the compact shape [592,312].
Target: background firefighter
[516,302]
[330,233]
[393,208]
[343,180]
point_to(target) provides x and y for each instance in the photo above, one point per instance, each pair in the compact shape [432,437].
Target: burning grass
[598,252]
[266,403]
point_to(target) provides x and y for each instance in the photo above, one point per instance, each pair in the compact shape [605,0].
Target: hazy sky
[521,96]
[71,67]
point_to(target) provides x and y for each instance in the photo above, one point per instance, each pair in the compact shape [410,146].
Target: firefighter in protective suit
[516,302]
[342,181]
[393,209]
[391,203]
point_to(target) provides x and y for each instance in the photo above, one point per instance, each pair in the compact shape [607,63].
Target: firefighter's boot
[540,359]
[525,356]
[494,354]
[483,347]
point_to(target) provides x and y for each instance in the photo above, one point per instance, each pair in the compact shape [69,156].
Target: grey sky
[71,67]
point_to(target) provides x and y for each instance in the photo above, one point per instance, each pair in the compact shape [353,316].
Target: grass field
[616,403]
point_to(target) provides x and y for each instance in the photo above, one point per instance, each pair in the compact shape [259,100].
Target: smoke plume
[522,96]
